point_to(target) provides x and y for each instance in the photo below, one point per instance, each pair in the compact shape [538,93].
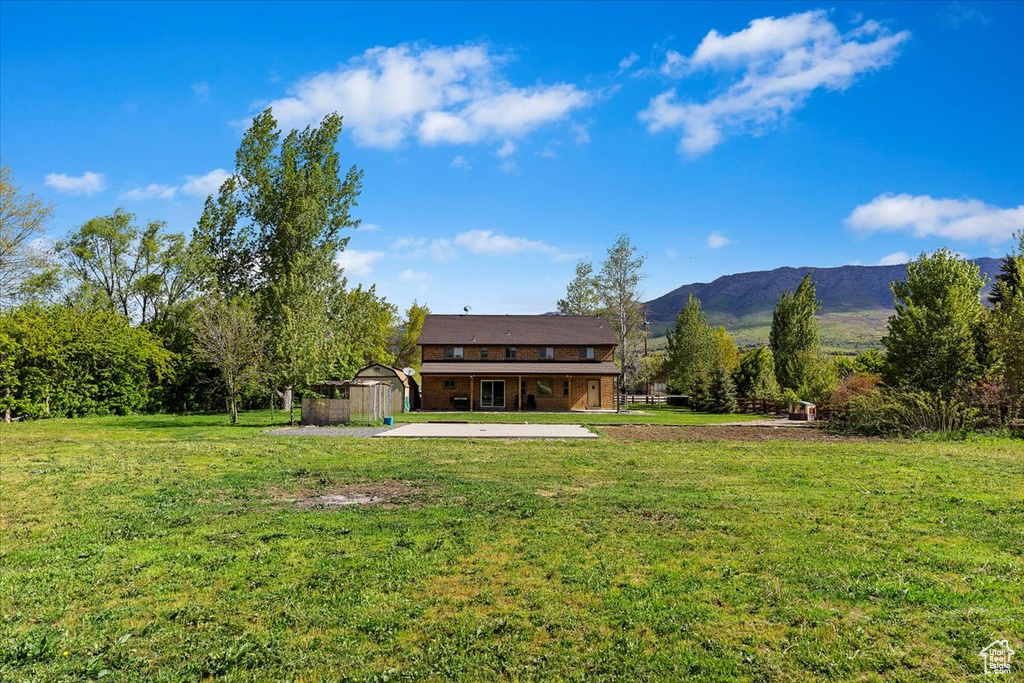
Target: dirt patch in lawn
[387,493]
[721,433]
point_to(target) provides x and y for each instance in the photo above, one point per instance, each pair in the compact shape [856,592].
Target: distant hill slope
[856,302]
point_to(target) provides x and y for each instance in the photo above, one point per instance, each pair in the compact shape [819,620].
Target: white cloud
[780,62]
[717,240]
[894,259]
[194,186]
[506,150]
[204,185]
[476,243]
[461,162]
[409,275]
[925,216]
[88,183]
[674,64]
[580,134]
[628,61]
[369,227]
[151,191]
[358,263]
[436,95]
[201,91]
[489,243]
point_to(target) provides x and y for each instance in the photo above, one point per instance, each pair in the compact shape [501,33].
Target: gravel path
[330,431]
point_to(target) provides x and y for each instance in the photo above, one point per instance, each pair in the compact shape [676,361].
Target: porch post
[471,393]
[519,393]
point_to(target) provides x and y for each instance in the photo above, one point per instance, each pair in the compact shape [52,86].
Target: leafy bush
[906,413]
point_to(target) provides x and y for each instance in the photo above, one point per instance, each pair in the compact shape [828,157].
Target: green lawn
[161,548]
[638,414]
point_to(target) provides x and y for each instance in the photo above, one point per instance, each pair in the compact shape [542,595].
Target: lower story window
[449,384]
[565,388]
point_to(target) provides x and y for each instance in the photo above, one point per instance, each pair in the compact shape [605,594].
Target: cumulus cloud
[717,240]
[894,259]
[435,95]
[489,243]
[477,243]
[358,263]
[151,191]
[193,186]
[627,62]
[204,185]
[409,275]
[87,184]
[779,63]
[924,216]
[461,162]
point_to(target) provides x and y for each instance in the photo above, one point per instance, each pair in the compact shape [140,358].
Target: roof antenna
[466,309]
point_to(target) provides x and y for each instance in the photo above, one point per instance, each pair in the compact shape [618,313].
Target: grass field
[162,548]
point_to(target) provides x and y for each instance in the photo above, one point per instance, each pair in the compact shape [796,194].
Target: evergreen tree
[721,393]
[1010,279]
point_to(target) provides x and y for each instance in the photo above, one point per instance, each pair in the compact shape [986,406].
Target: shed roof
[518,368]
[398,373]
[516,329]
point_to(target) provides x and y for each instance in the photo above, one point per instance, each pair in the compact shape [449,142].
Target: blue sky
[501,142]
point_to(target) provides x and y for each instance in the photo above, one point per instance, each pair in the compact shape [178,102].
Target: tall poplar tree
[794,336]
[276,228]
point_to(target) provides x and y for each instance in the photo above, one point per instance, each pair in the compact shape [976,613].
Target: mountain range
[856,302]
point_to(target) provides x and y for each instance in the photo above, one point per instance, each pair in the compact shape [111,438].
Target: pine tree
[721,393]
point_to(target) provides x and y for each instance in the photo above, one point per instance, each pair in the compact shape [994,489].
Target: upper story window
[483,352]
[510,352]
[546,352]
[586,353]
[453,352]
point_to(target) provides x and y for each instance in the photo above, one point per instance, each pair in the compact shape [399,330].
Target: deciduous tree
[582,295]
[692,349]
[23,217]
[794,336]
[930,344]
[229,337]
[619,287]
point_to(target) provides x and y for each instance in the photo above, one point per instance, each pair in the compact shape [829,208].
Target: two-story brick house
[517,362]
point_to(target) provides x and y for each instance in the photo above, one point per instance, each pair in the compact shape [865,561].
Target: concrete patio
[459,430]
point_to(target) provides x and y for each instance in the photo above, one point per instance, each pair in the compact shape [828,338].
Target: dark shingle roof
[484,369]
[510,330]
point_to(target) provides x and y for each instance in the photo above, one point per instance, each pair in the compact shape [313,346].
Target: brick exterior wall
[523,353]
[437,397]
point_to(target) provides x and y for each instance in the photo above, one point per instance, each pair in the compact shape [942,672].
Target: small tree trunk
[234,411]
[288,404]
[7,404]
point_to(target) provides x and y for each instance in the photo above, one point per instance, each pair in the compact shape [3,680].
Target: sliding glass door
[492,394]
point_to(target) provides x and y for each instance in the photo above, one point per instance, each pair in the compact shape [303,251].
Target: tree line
[249,309]
[944,351]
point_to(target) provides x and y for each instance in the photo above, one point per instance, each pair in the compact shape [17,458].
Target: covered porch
[476,389]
